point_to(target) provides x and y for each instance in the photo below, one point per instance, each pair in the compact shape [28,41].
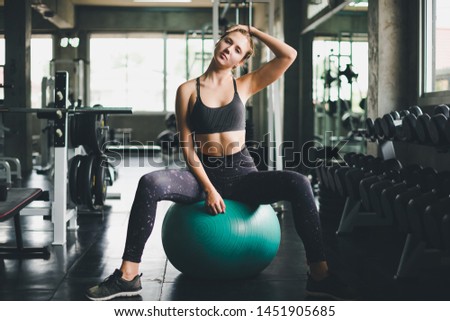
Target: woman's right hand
[214,202]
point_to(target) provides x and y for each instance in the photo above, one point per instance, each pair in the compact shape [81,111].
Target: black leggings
[235,177]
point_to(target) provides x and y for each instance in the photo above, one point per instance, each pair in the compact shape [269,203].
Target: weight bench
[17,199]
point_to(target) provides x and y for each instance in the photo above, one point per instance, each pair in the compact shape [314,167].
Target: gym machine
[335,84]
[87,176]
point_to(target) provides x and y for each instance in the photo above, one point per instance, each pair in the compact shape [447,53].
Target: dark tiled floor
[367,259]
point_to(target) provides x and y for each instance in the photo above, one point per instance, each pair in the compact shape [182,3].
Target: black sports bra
[207,120]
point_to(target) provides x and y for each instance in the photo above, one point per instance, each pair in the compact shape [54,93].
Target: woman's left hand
[214,202]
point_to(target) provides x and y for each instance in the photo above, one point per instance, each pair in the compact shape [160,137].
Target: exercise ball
[237,244]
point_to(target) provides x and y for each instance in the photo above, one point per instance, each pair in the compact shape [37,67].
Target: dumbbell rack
[416,250]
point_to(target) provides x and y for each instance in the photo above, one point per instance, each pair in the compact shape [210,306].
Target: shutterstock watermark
[311,154]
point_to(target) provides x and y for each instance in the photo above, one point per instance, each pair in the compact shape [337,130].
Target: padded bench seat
[17,199]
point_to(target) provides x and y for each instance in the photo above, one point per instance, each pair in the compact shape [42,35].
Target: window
[175,67]
[340,84]
[127,71]
[199,52]
[334,62]
[41,53]
[436,46]
[143,71]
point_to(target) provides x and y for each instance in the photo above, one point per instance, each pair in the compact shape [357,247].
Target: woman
[222,167]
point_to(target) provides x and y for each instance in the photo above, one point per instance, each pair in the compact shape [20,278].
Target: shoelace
[113,277]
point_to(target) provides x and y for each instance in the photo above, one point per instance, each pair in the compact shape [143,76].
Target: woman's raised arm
[272,70]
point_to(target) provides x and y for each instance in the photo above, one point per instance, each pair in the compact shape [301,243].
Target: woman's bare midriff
[220,144]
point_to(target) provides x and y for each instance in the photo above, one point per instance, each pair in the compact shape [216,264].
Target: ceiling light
[358,4]
[64,42]
[165,1]
[74,42]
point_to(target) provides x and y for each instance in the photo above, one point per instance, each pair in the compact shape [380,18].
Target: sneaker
[114,286]
[329,288]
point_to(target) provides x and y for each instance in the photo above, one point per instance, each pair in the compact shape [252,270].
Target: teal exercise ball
[237,244]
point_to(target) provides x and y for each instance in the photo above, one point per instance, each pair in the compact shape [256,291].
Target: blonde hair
[249,37]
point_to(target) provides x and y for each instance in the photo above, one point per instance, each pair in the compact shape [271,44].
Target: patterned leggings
[235,177]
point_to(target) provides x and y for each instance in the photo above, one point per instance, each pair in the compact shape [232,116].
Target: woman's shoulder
[187,85]
[187,91]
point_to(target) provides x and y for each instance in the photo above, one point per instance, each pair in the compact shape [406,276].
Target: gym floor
[367,258]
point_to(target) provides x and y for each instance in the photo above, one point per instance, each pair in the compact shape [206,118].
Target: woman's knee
[297,182]
[151,181]
[297,178]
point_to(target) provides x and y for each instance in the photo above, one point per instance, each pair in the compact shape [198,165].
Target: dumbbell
[423,126]
[437,123]
[417,206]
[349,157]
[409,124]
[322,175]
[354,177]
[370,130]
[324,163]
[330,172]
[423,135]
[357,161]
[445,231]
[376,190]
[325,179]
[349,160]
[388,194]
[447,131]
[378,128]
[329,202]
[433,221]
[401,132]
[353,161]
[360,161]
[320,163]
[415,209]
[342,176]
[390,171]
[390,121]
[427,179]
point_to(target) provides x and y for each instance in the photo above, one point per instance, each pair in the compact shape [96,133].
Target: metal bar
[59,204]
[271,108]
[216,21]
[18,228]
[88,110]
[165,73]
[103,110]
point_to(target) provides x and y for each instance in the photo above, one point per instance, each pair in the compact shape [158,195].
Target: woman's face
[231,50]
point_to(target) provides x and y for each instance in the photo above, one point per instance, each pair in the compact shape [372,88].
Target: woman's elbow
[292,54]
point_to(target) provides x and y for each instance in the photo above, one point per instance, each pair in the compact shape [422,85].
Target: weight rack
[61,213]
[418,247]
